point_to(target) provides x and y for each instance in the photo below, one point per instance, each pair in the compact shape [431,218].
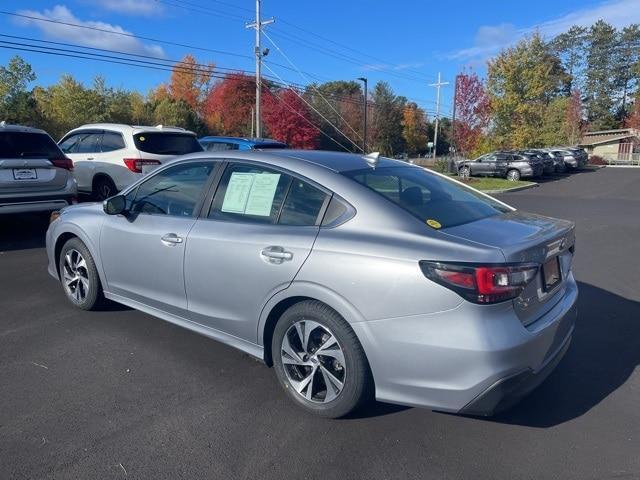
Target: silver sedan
[355,277]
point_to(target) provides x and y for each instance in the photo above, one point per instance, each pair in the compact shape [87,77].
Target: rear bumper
[508,391]
[471,359]
[42,203]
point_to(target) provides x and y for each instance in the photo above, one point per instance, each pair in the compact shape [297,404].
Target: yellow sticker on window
[433,223]
[141,139]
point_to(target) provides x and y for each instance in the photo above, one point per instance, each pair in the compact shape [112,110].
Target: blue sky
[405,42]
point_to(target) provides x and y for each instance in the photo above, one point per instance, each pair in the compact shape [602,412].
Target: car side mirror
[115,205]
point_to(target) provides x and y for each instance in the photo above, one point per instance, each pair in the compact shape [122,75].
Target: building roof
[608,136]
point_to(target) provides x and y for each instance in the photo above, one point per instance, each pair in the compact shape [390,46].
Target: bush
[597,160]
[441,165]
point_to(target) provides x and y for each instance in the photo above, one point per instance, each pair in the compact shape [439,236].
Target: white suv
[108,157]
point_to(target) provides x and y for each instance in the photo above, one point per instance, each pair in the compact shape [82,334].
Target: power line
[319,113]
[316,89]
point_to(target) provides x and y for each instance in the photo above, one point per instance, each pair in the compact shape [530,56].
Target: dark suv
[509,165]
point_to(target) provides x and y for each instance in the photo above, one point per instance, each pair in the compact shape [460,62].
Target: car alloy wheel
[313,361]
[75,276]
[465,172]
[513,175]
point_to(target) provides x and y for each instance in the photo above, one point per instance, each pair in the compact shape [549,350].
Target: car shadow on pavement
[604,353]
[23,231]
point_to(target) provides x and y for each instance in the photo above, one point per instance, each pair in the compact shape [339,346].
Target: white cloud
[100,38]
[133,7]
[490,39]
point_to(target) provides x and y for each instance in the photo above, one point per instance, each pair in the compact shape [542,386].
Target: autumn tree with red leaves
[227,107]
[472,108]
[288,119]
[633,120]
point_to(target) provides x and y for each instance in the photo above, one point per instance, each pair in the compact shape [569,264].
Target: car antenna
[372,158]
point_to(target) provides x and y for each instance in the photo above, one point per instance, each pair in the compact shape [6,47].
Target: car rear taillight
[62,162]
[482,284]
[136,164]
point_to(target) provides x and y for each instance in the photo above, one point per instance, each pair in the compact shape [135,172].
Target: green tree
[16,102]
[627,60]
[600,83]
[340,103]
[522,81]
[570,48]
[168,111]
[387,120]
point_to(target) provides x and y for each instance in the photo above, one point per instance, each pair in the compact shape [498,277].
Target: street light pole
[364,136]
[257,25]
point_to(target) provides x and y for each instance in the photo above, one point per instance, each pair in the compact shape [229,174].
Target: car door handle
[171,239]
[276,254]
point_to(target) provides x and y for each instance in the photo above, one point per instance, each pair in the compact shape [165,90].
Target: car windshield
[28,145]
[428,196]
[166,143]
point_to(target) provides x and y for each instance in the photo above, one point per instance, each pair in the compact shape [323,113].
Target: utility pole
[257,25]
[435,135]
[364,139]
[453,119]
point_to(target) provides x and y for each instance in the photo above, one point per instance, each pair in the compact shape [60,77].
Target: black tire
[90,298]
[464,172]
[358,383]
[513,175]
[103,188]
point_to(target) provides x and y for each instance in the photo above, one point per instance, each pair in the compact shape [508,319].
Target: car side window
[249,193]
[220,146]
[88,143]
[174,191]
[111,141]
[302,204]
[70,144]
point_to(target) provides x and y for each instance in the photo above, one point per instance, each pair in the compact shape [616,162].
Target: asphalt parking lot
[119,394]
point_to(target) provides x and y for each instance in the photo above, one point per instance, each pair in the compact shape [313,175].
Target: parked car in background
[35,176]
[558,159]
[573,157]
[510,165]
[108,157]
[355,275]
[548,160]
[213,144]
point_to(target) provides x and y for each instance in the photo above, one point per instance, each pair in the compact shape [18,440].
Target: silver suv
[35,176]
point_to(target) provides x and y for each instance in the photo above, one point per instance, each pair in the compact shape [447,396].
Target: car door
[258,232]
[479,166]
[143,251]
[81,147]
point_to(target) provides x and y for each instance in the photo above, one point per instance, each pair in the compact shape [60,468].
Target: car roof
[214,138]
[335,161]
[124,128]
[7,127]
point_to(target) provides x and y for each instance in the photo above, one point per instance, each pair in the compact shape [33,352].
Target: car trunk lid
[528,238]
[19,175]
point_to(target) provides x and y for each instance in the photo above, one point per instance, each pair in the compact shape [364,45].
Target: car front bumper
[472,359]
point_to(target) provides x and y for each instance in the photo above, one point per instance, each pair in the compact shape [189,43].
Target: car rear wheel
[103,188]
[513,175]
[79,276]
[319,360]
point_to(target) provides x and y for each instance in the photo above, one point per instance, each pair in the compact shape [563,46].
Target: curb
[513,189]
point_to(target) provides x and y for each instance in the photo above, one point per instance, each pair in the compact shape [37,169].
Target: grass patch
[490,183]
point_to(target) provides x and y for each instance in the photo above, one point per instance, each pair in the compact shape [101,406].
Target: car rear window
[28,145]
[166,143]
[432,199]
[263,146]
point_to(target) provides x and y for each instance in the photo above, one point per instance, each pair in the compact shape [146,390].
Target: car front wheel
[79,276]
[464,172]
[319,360]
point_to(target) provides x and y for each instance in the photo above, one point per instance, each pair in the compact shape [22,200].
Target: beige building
[620,146]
